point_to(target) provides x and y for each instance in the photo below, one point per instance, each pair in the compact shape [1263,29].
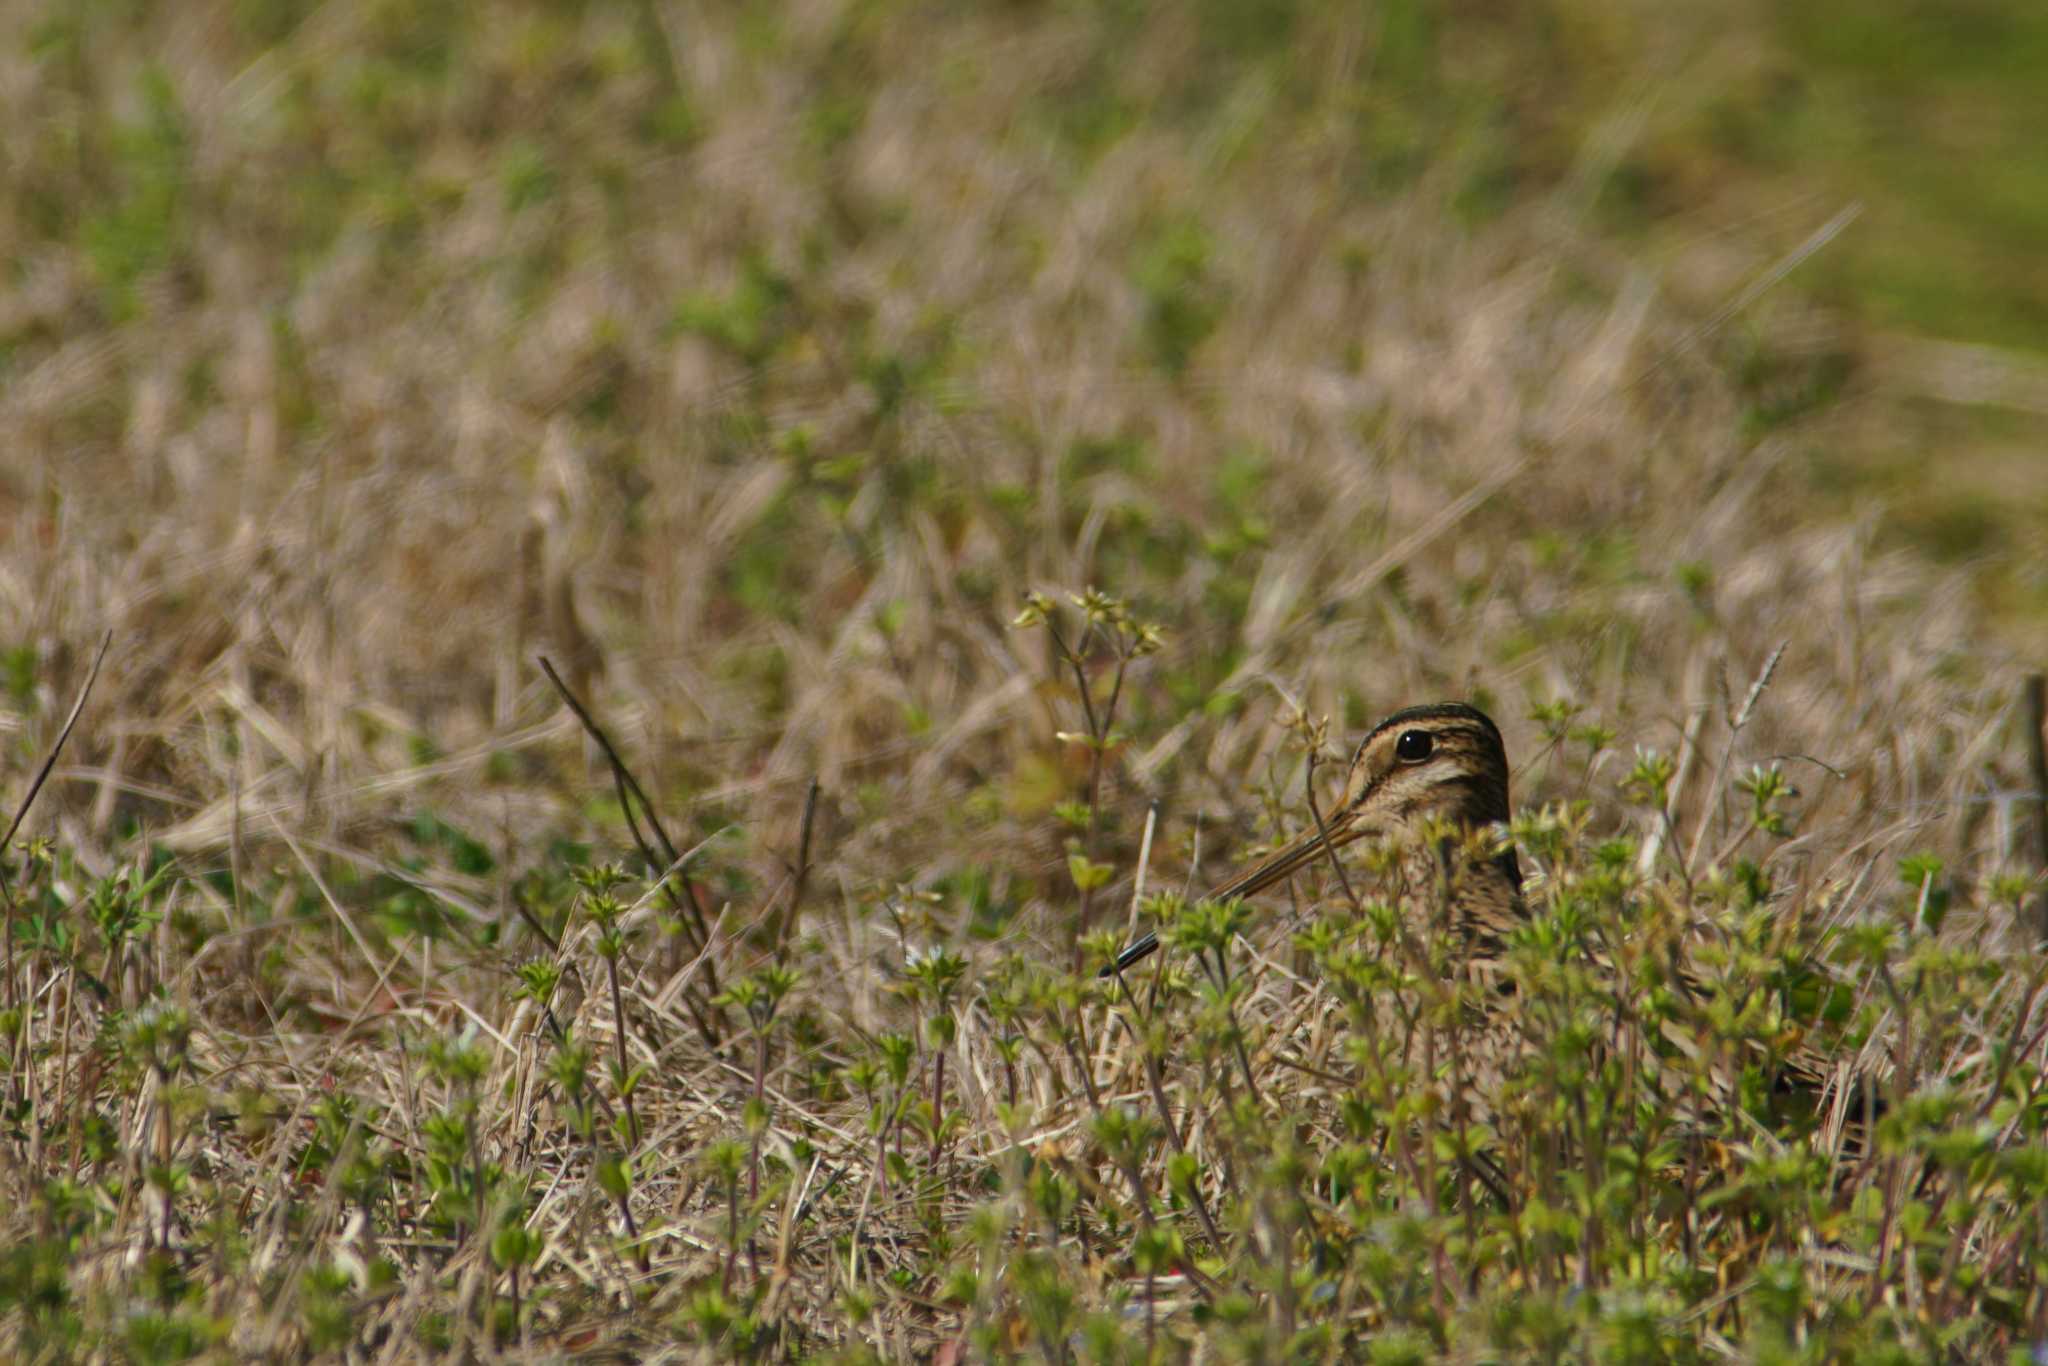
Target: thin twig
[21,813]
[1736,724]
[2034,710]
[629,786]
[1308,784]
[50,761]
[802,874]
[626,783]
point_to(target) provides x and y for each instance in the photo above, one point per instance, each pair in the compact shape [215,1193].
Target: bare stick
[28,799]
[626,783]
[2034,706]
[50,759]
[803,871]
[629,790]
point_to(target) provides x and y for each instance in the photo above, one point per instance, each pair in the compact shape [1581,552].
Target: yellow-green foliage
[1041,427]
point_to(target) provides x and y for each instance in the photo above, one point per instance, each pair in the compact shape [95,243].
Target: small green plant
[1110,635]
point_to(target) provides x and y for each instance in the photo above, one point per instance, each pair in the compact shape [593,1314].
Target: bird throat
[1475,897]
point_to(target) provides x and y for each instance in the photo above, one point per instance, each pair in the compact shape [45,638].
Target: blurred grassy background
[265,155]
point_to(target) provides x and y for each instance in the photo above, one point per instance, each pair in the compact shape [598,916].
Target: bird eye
[1414,746]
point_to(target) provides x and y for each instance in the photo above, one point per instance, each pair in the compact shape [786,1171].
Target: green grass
[1281,365]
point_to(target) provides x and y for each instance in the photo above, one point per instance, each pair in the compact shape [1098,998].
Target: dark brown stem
[802,874]
[2034,707]
[28,799]
[1081,1069]
[629,789]
[540,931]
[696,929]
[1080,673]
[640,1257]
[619,1049]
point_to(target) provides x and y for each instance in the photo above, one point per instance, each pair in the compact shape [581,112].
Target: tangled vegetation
[678,580]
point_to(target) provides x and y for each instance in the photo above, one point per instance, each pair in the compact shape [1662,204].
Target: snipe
[1438,770]
[1430,780]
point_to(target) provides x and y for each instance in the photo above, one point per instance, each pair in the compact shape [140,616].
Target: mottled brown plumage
[1425,778]
[1429,781]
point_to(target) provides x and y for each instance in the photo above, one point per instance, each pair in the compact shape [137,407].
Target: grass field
[969,459]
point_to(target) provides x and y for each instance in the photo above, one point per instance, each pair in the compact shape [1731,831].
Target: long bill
[1344,827]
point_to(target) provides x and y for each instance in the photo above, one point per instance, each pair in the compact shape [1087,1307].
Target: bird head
[1434,767]
[1421,768]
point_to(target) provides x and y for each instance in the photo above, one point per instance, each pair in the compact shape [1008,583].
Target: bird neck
[1482,893]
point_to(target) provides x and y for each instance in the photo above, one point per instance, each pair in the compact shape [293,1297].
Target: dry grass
[756,370]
